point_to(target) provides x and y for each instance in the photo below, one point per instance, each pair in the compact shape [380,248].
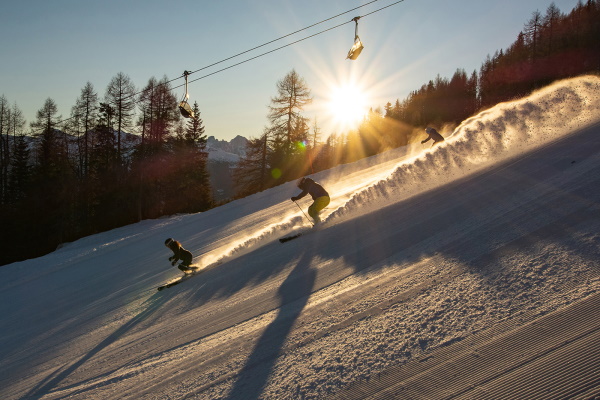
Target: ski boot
[184,268]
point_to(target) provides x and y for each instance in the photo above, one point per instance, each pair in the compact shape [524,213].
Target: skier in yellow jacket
[319,195]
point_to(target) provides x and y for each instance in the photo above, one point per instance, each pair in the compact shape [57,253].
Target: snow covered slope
[422,250]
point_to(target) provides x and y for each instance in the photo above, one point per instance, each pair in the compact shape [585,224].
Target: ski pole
[304,213]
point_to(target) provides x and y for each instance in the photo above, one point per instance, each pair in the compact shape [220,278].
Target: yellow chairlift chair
[358,46]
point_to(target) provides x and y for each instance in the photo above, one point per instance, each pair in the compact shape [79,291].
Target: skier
[433,134]
[319,195]
[179,253]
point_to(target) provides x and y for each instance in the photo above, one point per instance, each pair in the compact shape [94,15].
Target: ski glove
[295,199]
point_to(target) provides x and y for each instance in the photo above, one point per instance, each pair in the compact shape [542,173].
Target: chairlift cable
[265,53]
[382,8]
[287,45]
[257,47]
[262,45]
[283,37]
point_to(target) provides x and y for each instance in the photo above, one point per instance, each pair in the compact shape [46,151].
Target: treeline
[68,178]
[550,47]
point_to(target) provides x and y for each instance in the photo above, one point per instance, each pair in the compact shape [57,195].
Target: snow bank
[492,136]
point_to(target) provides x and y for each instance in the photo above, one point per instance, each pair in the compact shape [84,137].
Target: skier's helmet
[168,242]
[428,130]
[300,182]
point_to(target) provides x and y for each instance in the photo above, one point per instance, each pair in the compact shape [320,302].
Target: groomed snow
[421,248]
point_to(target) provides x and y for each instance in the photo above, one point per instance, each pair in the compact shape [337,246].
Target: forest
[131,155]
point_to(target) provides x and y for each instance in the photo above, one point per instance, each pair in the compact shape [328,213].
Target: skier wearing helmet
[319,195]
[179,253]
[433,134]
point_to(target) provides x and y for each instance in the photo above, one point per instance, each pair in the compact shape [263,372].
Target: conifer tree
[159,116]
[53,181]
[4,147]
[190,182]
[293,95]
[252,173]
[85,111]
[120,94]
[288,126]
[20,171]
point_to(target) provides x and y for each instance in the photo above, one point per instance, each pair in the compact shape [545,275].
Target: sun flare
[348,105]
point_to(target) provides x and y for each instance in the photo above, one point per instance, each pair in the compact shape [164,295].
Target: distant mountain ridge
[223,157]
[223,150]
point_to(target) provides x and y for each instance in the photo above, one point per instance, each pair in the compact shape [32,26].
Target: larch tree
[120,94]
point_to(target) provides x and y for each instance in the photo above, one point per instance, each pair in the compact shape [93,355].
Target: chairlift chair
[358,46]
[184,107]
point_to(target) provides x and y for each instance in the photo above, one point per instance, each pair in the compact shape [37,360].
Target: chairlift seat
[355,49]
[186,110]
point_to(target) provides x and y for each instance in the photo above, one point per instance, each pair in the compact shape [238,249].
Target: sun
[347,105]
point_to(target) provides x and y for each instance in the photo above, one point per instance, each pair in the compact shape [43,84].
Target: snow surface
[421,248]
[215,154]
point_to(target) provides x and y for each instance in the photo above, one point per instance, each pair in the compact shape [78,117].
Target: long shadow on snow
[46,386]
[294,293]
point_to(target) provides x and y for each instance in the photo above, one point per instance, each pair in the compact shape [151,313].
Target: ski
[302,232]
[168,285]
[288,238]
[186,276]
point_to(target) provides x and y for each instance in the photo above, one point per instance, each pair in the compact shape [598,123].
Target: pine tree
[51,155]
[4,147]
[20,171]
[293,95]
[159,117]
[532,32]
[191,184]
[120,94]
[53,181]
[252,173]
[288,126]
[85,113]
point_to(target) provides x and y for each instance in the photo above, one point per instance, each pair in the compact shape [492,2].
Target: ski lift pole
[184,107]
[304,213]
[185,76]
[358,46]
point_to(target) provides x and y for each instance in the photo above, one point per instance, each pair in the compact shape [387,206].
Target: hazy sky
[53,48]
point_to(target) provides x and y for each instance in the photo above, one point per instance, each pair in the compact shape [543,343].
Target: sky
[52,49]
[423,251]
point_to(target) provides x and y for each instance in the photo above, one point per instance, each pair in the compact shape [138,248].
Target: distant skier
[319,195]
[433,134]
[179,253]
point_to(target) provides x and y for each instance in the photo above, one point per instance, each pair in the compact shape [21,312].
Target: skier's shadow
[45,386]
[294,293]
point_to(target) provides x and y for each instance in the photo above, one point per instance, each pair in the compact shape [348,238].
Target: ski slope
[426,254]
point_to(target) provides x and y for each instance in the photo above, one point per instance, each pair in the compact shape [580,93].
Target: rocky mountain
[223,156]
[224,150]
